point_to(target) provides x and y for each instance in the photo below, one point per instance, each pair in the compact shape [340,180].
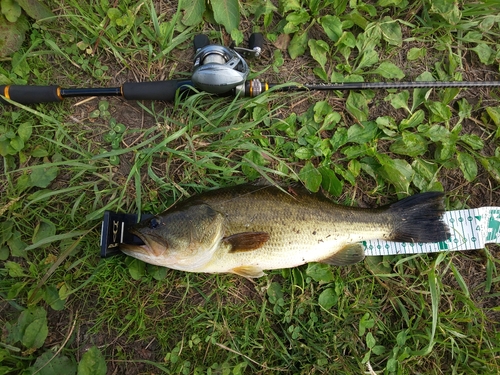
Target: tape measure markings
[470,230]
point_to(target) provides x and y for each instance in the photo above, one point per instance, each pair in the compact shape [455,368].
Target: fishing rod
[216,70]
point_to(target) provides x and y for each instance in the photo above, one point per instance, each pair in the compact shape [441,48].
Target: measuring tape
[470,230]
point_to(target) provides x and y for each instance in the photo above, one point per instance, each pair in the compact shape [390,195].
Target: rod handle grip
[159,90]
[30,94]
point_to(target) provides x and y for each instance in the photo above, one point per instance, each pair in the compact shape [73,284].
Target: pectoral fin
[246,241]
[349,254]
[248,271]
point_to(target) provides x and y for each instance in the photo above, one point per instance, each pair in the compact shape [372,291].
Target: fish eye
[153,223]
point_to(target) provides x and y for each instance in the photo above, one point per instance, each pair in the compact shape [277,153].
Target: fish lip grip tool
[115,230]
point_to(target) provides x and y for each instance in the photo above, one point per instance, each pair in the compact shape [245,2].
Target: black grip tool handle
[159,90]
[256,40]
[31,94]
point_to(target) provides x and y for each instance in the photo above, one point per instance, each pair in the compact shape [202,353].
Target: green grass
[63,165]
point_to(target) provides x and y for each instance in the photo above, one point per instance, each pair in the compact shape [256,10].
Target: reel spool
[219,69]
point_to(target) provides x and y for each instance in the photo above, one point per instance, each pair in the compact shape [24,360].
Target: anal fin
[349,254]
[248,271]
[246,241]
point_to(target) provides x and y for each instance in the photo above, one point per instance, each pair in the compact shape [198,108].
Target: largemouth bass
[250,228]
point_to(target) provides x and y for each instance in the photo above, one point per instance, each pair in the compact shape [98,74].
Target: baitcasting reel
[219,69]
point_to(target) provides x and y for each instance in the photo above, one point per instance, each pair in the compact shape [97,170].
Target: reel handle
[256,42]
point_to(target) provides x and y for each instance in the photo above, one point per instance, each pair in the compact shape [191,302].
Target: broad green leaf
[357,106]
[310,176]
[413,121]
[14,269]
[330,182]
[298,17]
[332,25]
[494,113]
[158,273]
[226,13]
[399,100]
[363,133]
[39,152]
[415,53]
[473,141]
[320,272]
[347,39]
[391,31]
[136,268]
[327,299]
[420,95]
[389,70]
[35,9]
[437,133]
[24,131]
[449,10]
[291,5]
[193,11]
[6,148]
[397,172]
[378,265]
[330,121]
[254,159]
[370,340]
[47,364]
[468,165]
[43,230]
[410,144]
[17,143]
[321,73]
[321,109]
[368,59]
[4,252]
[298,44]
[492,165]
[319,50]
[304,153]
[339,139]
[92,363]
[388,125]
[237,36]
[52,298]
[366,322]
[425,178]
[42,177]
[356,151]
[274,292]
[6,230]
[440,111]
[113,14]
[32,327]
[16,245]
[11,10]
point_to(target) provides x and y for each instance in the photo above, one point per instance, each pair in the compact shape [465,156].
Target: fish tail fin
[419,218]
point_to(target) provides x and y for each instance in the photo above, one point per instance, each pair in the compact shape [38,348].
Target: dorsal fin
[349,254]
[246,241]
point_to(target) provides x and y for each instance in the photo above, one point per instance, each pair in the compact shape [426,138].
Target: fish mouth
[145,249]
